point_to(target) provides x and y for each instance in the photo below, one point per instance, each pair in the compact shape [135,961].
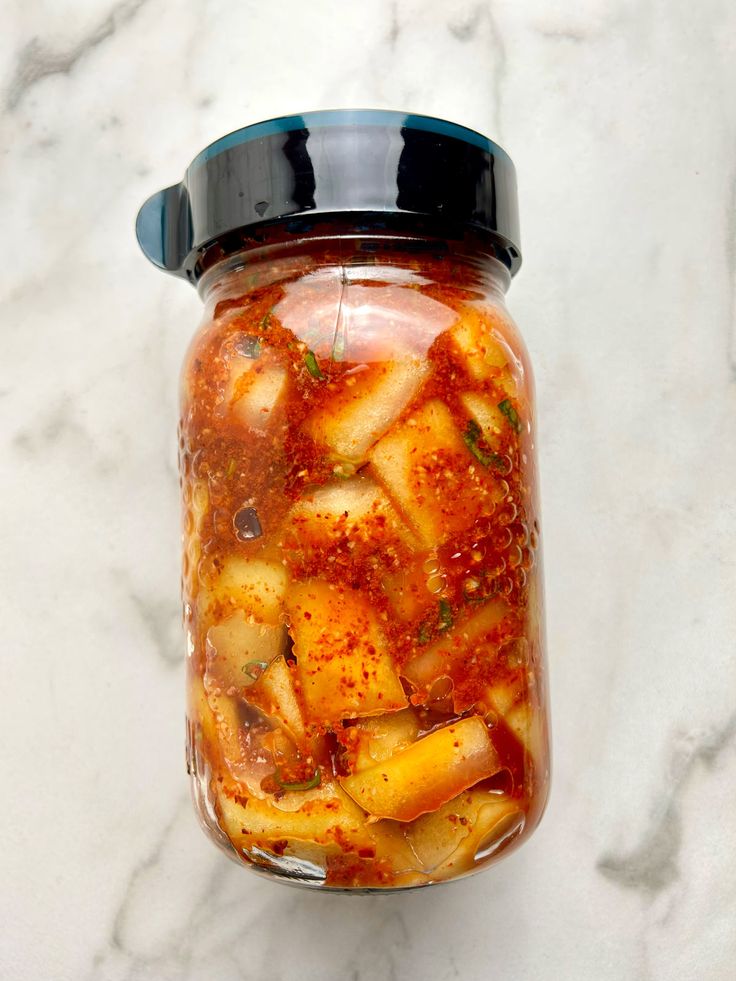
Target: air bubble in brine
[248,346]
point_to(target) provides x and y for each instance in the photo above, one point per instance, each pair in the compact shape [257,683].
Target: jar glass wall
[362,585]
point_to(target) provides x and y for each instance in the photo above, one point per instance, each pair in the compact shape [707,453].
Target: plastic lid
[362,161]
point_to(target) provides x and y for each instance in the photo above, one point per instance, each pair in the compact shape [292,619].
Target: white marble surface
[622,121]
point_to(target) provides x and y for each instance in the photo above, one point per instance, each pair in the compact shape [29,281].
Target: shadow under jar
[362,577]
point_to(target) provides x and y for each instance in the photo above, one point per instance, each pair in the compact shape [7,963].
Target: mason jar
[362,581]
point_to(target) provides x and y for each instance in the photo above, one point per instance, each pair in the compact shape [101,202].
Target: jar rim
[351,240]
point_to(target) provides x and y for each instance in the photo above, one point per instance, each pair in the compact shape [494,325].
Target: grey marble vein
[38,59]
[395,27]
[465,28]
[60,430]
[499,63]
[652,865]
[730,253]
[141,870]
[563,34]
[162,619]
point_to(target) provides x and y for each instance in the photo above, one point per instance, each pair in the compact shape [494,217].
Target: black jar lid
[363,162]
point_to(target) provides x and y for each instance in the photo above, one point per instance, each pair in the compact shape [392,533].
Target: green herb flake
[312,366]
[445,615]
[254,669]
[310,784]
[266,321]
[511,414]
[470,437]
[424,635]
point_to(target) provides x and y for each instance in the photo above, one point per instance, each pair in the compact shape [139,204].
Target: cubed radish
[453,651]
[324,815]
[228,741]
[426,467]
[356,509]
[238,652]
[255,390]
[255,586]
[516,703]
[275,695]
[375,739]
[343,664]
[428,773]
[493,424]
[365,405]
[447,841]
[485,353]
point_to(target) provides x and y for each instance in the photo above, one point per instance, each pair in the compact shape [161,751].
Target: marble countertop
[620,118]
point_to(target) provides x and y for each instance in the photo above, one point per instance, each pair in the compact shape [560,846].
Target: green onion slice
[445,615]
[312,366]
[310,784]
[470,437]
[511,414]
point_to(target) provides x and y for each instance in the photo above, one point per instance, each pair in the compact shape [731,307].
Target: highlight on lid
[376,162]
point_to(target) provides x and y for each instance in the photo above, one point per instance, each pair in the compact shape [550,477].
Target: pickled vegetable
[427,773]
[367,706]
[345,669]
[365,405]
[448,840]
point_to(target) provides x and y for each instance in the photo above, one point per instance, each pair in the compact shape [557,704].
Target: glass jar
[362,578]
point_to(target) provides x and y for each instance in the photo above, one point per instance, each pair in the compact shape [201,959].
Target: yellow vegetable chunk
[228,725]
[355,510]
[253,585]
[237,652]
[377,738]
[426,467]
[343,664]
[489,417]
[516,703]
[227,739]
[275,695]
[430,772]
[255,390]
[447,841]
[200,712]
[324,815]
[322,826]
[456,647]
[365,405]
[484,352]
